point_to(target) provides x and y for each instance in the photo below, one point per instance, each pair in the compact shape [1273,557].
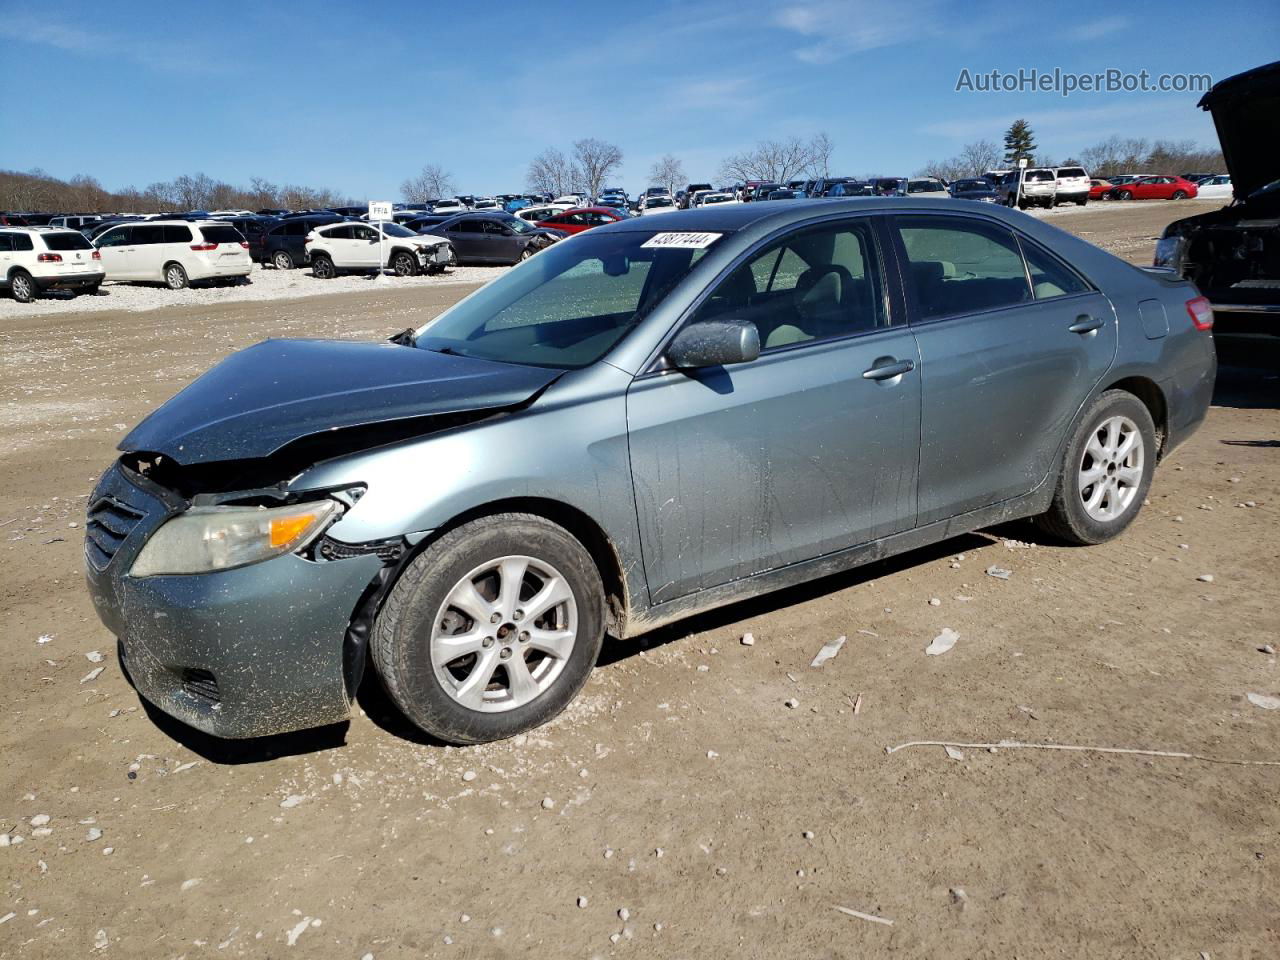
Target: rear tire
[1082,201]
[22,287]
[452,599]
[175,277]
[322,267]
[92,290]
[282,260]
[1106,471]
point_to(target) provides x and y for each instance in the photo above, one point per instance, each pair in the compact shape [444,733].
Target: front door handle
[1086,324]
[886,368]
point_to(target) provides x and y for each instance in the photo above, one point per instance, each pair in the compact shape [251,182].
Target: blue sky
[358,96]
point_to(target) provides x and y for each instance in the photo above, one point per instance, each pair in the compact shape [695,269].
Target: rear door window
[22,242]
[337,233]
[957,265]
[6,242]
[1050,277]
[148,234]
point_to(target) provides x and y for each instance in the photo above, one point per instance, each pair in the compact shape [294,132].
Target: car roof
[39,229]
[733,218]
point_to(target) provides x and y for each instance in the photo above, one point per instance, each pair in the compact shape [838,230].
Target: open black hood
[1246,111]
[261,399]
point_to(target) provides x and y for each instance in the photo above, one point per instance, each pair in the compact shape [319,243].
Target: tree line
[36,190]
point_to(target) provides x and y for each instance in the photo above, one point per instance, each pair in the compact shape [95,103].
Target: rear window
[1071,172]
[221,234]
[1038,176]
[67,241]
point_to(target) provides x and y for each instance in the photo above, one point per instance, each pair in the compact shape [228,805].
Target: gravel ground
[703,797]
[265,284]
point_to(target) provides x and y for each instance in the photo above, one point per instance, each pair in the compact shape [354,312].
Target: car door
[6,256]
[468,239]
[505,245]
[365,246]
[146,252]
[1010,348]
[116,247]
[808,450]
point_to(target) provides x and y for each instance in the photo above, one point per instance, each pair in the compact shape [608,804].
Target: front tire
[1106,472]
[175,277]
[1179,195]
[22,287]
[492,630]
[1124,195]
[404,264]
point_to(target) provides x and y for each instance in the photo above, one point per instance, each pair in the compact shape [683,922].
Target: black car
[848,188]
[273,212]
[493,237]
[973,189]
[784,195]
[283,245]
[1233,253]
[255,229]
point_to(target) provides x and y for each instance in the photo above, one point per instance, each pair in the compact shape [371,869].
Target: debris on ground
[942,642]
[748,640]
[792,703]
[999,572]
[291,801]
[1205,578]
[849,912]
[1264,701]
[829,650]
[92,675]
[953,753]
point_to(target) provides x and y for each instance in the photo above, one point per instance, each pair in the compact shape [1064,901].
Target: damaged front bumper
[246,652]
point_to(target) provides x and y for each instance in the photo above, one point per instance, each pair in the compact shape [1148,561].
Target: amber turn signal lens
[284,530]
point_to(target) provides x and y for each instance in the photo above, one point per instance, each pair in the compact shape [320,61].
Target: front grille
[110,522]
[201,684]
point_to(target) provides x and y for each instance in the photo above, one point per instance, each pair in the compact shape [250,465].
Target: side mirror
[714,343]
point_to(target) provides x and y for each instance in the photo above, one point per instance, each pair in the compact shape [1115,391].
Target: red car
[1099,188]
[581,218]
[1156,188]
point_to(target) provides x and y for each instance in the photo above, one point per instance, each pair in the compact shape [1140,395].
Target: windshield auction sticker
[682,241]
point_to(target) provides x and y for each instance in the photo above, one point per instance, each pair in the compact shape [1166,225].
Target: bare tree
[945,170]
[978,157]
[551,172]
[820,150]
[774,160]
[433,183]
[595,161]
[667,172]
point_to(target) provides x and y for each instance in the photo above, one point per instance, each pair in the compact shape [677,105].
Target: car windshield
[396,230]
[568,306]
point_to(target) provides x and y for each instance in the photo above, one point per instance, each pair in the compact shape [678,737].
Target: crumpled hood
[260,399]
[1246,111]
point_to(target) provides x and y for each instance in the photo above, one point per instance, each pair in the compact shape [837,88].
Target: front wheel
[1106,473]
[492,630]
[175,277]
[282,260]
[404,264]
[1124,195]
[1179,195]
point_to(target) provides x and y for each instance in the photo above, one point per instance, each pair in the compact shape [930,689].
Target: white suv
[1039,186]
[1073,185]
[354,246]
[35,259]
[175,252]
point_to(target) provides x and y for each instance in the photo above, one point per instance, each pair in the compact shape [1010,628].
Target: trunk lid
[1246,112]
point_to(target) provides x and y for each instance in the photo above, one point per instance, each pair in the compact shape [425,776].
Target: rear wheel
[492,630]
[175,278]
[322,267]
[1082,201]
[282,260]
[91,290]
[22,287]
[404,264]
[1106,472]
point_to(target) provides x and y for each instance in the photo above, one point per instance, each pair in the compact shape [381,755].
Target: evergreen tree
[1019,142]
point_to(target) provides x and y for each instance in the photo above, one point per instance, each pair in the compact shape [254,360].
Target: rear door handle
[1086,324]
[886,368]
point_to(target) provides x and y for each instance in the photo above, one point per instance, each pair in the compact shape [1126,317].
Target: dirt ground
[692,810]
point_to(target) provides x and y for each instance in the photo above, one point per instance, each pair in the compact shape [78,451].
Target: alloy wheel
[504,633]
[1111,469]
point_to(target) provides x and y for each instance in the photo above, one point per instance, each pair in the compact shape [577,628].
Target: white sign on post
[1022,162]
[380,212]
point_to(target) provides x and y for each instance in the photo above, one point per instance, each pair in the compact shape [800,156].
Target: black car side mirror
[714,343]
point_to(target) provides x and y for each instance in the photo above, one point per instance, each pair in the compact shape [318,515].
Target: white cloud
[842,27]
[1097,29]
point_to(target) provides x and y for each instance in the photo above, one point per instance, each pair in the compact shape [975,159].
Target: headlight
[217,538]
[1169,252]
